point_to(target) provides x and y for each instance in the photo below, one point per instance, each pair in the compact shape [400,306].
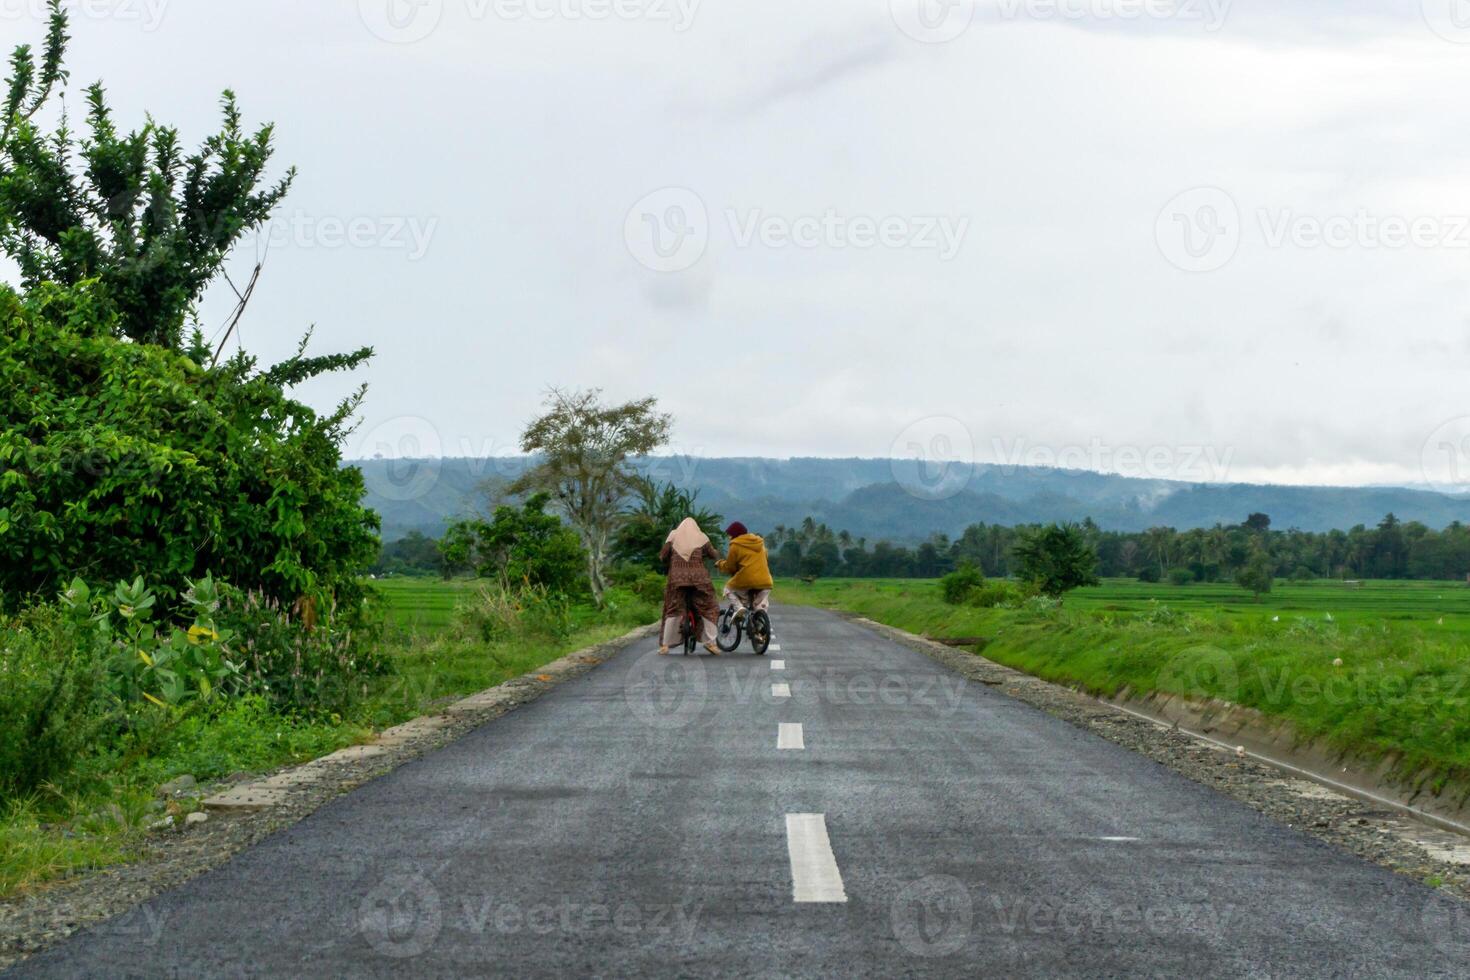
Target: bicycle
[756,625]
[689,624]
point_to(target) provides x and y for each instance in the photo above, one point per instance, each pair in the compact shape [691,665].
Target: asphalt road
[642,820]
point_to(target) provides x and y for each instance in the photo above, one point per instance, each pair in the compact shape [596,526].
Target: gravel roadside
[45,916]
[1372,833]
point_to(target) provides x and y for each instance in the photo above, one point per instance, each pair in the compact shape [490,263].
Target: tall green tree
[1056,559]
[656,510]
[151,223]
[1258,575]
[125,449]
[519,546]
[582,448]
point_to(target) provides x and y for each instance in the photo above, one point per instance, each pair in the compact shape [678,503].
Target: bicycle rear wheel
[760,632]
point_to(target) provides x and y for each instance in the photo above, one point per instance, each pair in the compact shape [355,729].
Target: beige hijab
[687,538]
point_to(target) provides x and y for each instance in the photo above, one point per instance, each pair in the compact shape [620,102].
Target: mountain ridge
[899,501]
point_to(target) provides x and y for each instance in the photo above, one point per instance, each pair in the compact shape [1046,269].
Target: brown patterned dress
[690,574]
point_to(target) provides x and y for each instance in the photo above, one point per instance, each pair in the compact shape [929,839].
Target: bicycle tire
[727,636]
[760,632]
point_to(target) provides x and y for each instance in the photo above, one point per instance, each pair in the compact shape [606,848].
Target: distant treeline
[1391,550]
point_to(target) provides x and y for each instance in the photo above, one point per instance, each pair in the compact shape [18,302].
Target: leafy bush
[1180,576]
[292,667]
[246,734]
[175,668]
[520,546]
[1042,605]
[959,585]
[637,579]
[496,612]
[622,605]
[995,594]
[51,698]
[128,459]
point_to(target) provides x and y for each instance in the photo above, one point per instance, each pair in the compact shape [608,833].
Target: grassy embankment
[1402,687]
[104,809]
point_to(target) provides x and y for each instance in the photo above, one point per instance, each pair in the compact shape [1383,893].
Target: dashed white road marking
[778,665]
[780,690]
[789,736]
[814,874]
[1118,840]
[774,648]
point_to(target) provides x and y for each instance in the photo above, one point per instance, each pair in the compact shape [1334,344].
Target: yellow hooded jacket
[746,564]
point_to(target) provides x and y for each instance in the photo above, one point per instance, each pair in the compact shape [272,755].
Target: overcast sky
[1186,238]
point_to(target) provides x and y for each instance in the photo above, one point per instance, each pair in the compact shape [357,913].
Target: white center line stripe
[814,874]
[774,648]
[780,690]
[778,665]
[789,736]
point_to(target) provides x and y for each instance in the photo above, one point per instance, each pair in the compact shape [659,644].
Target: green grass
[1402,690]
[421,604]
[103,813]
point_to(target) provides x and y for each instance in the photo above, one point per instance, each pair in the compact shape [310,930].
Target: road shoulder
[263,805]
[1373,833]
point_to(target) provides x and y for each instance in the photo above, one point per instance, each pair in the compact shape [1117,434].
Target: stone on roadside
[197,817]
[178,787]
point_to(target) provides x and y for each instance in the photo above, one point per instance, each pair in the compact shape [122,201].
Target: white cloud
[1058,140]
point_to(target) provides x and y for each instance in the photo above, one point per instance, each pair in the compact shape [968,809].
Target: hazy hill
[864,496]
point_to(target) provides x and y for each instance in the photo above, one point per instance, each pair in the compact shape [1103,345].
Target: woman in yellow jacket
[750,573]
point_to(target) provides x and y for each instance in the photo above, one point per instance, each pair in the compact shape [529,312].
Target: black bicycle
[755,624]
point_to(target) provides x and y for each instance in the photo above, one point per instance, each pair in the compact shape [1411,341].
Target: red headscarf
[736,530]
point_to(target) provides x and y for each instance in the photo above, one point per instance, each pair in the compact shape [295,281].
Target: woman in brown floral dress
[685,553]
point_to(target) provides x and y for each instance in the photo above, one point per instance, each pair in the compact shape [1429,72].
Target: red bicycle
[689,623]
